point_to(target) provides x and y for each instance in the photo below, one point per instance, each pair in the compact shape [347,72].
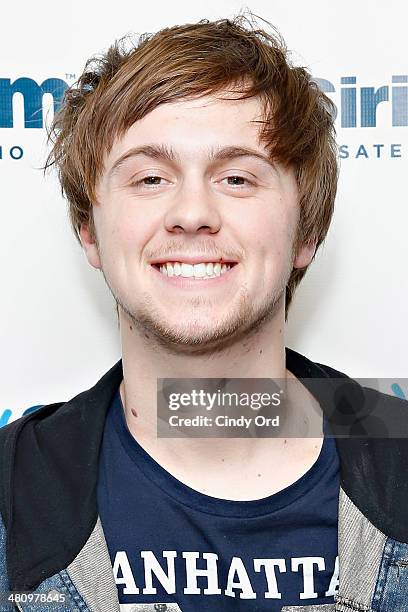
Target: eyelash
[140,182]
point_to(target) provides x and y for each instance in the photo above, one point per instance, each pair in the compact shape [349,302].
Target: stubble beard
[243,320]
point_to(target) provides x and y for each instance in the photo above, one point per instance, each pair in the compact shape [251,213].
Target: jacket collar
[51,467]
[50,460]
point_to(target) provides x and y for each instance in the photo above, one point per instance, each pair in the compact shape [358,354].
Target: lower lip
[192,283]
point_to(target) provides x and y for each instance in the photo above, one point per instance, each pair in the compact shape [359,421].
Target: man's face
[194,186]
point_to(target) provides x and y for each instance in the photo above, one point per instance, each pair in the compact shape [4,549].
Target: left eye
[236,180]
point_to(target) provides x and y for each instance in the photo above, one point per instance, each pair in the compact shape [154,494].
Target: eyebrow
[163,152]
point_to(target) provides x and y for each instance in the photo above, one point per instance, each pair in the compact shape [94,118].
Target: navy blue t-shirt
[173,548]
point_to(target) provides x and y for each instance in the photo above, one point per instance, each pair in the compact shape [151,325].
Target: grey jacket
[52,542]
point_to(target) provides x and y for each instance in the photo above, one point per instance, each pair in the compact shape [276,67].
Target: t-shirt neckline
[202,502]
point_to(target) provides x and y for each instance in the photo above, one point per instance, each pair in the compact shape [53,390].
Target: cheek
[128,229]
[269,230]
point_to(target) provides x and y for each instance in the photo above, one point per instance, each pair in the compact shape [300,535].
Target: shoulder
[53,434]
[383,415]
[10,434]
[374,455]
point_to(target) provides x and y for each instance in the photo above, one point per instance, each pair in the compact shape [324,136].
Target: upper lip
[191,259]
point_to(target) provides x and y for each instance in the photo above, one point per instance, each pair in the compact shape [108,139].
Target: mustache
[207,249]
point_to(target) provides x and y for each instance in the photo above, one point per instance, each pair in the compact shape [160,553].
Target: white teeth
[199,271]
[187,270]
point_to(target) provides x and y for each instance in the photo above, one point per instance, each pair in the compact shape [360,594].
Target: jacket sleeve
[4,583]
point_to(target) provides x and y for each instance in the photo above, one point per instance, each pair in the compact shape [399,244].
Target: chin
[195,333]
[191,333]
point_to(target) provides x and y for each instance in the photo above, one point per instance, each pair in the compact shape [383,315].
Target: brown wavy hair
[133,77]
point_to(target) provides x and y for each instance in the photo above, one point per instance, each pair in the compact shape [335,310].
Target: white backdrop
[58,329]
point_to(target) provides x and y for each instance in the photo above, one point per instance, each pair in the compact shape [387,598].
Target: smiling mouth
[199,272]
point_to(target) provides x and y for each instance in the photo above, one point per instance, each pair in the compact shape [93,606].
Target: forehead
[193,126]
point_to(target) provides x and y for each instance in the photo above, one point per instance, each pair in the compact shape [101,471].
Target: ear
[90,247]
[305,255]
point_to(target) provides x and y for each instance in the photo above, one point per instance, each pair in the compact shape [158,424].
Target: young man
[200,171]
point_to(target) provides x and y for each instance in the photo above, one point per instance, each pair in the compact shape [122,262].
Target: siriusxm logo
[356,105]
[32,94]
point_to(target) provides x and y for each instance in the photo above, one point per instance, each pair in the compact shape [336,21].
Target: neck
[145,358]
[256,355]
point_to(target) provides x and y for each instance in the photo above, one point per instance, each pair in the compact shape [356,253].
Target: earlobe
[305,255]
[90,247]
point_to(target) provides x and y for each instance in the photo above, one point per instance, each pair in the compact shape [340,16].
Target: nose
[194,210]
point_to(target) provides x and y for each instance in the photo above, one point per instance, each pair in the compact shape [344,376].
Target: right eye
[148,181]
